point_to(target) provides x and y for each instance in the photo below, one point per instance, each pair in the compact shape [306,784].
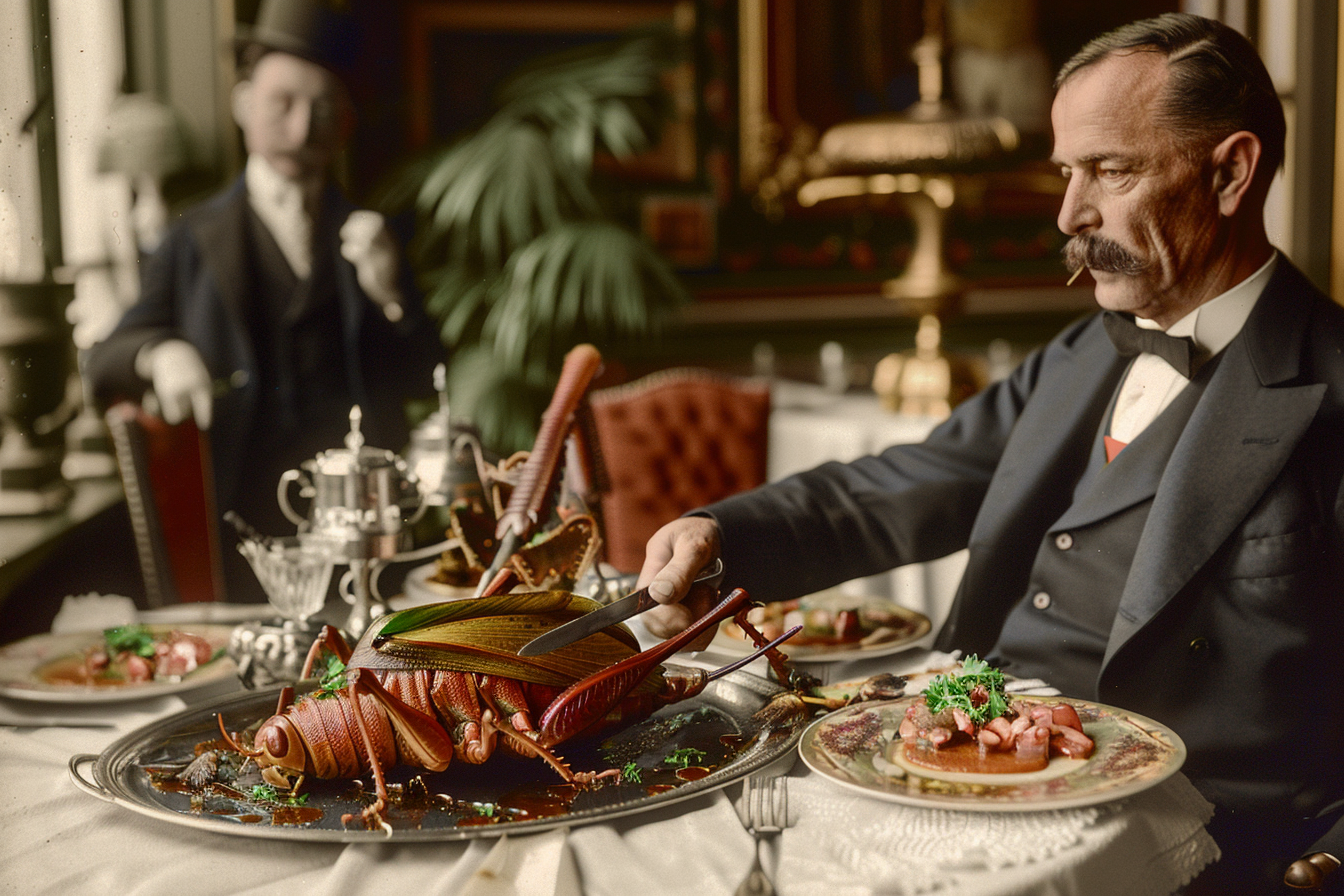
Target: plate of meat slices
[836,626]
[129,662]
[967,744]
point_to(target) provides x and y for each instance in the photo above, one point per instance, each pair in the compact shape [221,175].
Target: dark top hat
[321,31]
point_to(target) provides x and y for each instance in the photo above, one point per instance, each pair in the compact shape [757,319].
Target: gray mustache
[1098,253]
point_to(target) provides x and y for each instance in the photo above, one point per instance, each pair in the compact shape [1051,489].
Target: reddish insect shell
[450,674]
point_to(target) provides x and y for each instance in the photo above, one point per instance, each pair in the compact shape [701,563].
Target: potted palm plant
[521,240]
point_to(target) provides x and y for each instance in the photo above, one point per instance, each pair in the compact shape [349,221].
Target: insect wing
[484,635]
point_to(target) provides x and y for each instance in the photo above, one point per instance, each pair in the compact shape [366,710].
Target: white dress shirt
[286,207]
[1152,383]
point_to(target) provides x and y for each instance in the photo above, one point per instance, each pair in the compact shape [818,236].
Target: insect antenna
[250,754]
[738,664]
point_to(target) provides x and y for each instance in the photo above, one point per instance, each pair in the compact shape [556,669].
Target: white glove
[368,245]
[180,380]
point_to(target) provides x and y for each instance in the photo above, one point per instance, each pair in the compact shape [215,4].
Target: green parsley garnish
[486,809]
[953,690]
[135,639]
[265,793]
[630,772]
[333,679]
[684,757]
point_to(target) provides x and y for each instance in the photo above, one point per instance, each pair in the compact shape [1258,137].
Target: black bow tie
[1130,339]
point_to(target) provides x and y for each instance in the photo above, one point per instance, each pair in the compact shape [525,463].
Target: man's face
[291,113]
[1143,216]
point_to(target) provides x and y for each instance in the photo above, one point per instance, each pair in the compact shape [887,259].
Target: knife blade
[617,611]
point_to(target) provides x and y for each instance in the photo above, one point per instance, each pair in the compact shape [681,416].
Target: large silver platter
[719,721]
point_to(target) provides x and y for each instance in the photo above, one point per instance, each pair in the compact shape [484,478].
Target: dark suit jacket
[195,287]
[1230,622]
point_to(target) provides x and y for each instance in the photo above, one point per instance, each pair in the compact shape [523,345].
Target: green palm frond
[490,194]
[591,280]
[504,405]
[460,299]
[526,261]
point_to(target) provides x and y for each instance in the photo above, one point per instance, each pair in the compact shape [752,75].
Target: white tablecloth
[56,839]
[810,426]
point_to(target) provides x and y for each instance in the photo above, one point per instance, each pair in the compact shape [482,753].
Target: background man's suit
[1230,610]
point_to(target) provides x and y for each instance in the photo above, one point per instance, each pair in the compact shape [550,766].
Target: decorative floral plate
[857,747]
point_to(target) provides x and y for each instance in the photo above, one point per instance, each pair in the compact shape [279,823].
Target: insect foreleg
[403,719]
[331,639]
[778,661]
[422,740]
[455,699]
[494,719]
[510,703]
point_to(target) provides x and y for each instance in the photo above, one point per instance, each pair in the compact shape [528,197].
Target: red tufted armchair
[671,442]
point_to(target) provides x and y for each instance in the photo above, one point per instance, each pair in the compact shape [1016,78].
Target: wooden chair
[673,441]
[165,472]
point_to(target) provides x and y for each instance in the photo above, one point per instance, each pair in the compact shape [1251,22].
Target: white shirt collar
[270,191]
[286,209]
[1217,322]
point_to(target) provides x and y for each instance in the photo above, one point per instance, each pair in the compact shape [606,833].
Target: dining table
[58,837]
[811,425]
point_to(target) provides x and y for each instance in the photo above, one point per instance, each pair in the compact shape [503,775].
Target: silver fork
[766,804]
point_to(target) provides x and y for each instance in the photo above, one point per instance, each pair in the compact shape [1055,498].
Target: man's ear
[241,100]
[1235,162]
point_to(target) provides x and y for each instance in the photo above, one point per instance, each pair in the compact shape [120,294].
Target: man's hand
[180,381]
[673,558]
[368,245]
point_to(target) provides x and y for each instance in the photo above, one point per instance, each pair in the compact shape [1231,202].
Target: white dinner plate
[22,661]
[857,748]
[728,640]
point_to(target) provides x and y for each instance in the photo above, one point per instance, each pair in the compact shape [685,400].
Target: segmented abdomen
[330,732]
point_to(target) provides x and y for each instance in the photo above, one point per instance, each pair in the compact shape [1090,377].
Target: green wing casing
[483,635]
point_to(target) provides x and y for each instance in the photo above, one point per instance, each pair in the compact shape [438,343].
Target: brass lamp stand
[920,157]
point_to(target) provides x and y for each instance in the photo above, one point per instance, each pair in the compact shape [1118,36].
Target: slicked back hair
[1217,83]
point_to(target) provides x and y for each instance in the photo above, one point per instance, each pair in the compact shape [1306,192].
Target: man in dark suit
[275,306]
[1156,526]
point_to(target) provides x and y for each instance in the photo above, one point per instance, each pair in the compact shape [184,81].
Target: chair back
[673,441]
[165,471]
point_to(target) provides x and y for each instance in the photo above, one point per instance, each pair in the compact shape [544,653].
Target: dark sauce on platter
[505,789]
[288,815]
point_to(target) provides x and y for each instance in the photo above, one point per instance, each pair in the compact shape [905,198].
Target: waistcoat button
[1199,646]
[1063,541]
[1041,600]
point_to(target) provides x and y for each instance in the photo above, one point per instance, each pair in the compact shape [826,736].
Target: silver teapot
[364,499]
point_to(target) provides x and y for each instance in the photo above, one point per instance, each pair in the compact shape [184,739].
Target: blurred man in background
[275,306]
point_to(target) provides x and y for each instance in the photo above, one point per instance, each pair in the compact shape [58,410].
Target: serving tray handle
[87,785]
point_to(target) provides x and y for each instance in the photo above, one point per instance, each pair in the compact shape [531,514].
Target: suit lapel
[1135,473]
[1050,444]
[333,212]
[222,239]
[1238,439]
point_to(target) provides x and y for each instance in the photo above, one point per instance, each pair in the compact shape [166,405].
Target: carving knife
[617,611]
